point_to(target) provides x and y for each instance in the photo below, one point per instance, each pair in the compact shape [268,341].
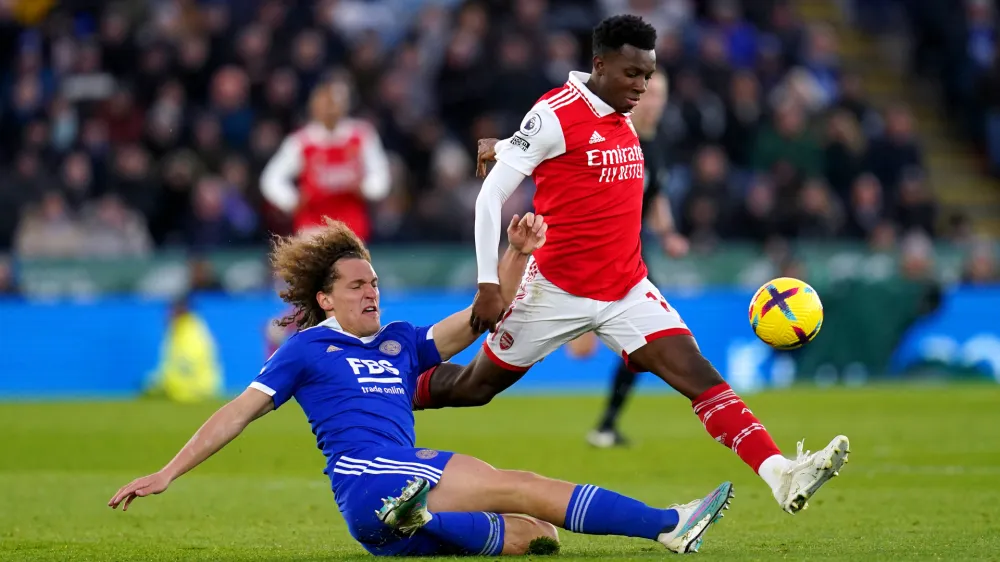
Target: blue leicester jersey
[356,392]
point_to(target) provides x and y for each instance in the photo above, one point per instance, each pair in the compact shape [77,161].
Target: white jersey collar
[332,324]
[578,80]
[319,134]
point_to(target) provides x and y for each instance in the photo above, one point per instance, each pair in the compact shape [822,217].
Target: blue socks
[476,533]
[596,511]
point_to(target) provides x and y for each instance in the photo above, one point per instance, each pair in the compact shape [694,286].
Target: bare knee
[520,530]
[678,361]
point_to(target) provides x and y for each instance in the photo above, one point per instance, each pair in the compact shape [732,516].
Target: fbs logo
[371,366]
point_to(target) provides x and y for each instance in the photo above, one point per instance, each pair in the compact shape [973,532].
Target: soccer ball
[786,313]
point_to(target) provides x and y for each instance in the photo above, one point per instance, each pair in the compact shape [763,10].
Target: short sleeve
[282,373]
[427,352]
[539,138]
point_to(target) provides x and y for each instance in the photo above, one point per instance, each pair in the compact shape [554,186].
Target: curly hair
[617,31]
[307,265]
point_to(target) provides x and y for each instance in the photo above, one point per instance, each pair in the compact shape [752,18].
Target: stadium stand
[133,126]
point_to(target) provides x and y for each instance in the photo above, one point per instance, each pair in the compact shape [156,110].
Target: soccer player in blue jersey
[355,379]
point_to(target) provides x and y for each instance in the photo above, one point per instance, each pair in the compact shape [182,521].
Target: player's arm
[661,220]
[539,138]
[277,181]
[375,185]
[525,234]
[224,425]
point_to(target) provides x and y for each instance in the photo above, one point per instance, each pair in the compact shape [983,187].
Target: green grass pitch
[922,483]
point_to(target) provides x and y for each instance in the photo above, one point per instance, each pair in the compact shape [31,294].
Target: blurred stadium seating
[130,127]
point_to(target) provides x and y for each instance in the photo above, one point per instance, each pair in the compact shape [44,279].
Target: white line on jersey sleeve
[263,388]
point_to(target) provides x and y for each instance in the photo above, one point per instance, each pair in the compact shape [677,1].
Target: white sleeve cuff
[263,388]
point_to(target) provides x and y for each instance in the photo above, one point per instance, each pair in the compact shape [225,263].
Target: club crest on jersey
[531,124]
[390,347]
[426,454]
[506,340]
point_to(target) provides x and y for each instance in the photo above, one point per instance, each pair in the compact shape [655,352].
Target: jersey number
[661,300]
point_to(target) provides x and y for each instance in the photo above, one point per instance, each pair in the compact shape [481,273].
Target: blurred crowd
[129,126]
[955,44]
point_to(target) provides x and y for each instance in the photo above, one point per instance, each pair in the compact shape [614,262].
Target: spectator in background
[123,119]
[822,63]
[980,266]
[743,118]
[49,231]
[8,281]
[230,101]
[845,152]
[755,218]
[338,162]
[819,214]
[914,208]
[866,210]
[896,150]
[216,221]
[989,91]
[740,36]
[710,187]
[852,99]
[77,180]
[112,230]
[788,141]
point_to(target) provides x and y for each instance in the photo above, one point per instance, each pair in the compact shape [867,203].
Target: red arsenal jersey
[337,173]
[588,170]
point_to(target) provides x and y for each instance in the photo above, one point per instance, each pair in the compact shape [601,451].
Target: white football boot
[695,518]
[808,472]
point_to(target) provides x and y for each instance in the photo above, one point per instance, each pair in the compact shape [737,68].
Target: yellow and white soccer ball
[786,313]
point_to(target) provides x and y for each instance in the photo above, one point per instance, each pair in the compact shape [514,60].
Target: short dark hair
[617,31]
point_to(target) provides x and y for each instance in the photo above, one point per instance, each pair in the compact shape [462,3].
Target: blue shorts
[363,477]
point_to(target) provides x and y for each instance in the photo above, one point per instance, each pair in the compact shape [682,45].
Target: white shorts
[543,317]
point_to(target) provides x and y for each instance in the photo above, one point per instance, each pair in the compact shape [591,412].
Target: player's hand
[527,234]
[146,486]
[675,245]
[486,153]
[486,308]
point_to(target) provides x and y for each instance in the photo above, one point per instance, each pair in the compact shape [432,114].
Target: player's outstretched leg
[471,485]
[678,361]
[477,533]
[607,434]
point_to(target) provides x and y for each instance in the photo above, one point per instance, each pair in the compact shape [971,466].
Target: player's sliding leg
[471,485]
[679,362]
[476,533]
[607,434]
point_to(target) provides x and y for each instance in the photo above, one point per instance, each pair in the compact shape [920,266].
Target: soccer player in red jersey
[334,166]
[579,146]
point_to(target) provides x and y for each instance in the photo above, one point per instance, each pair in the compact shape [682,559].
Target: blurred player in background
[335,166]
[355,379]
[583,152]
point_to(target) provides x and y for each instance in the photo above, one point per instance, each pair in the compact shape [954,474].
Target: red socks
[730,422]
